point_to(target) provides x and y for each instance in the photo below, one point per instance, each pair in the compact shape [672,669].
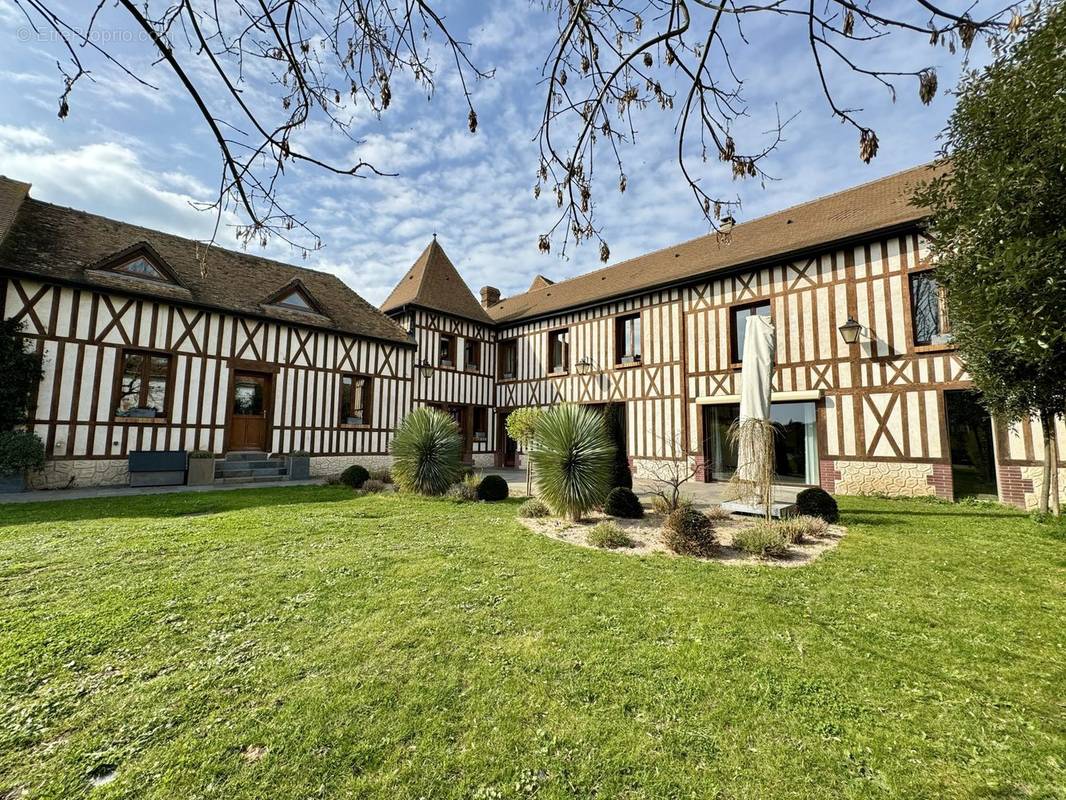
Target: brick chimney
[490,296]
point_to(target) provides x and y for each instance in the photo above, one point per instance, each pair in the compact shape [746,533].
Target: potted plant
[299,465]
[20,451]
[201,468]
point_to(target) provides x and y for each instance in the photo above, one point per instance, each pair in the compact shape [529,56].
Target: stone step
[250,464]
[275,470]
[246,455]
[251,478]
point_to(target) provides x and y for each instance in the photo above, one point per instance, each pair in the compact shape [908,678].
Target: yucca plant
[573,456]
[425,452]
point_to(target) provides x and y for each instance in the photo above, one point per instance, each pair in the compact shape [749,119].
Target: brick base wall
[942,481]
[828,475]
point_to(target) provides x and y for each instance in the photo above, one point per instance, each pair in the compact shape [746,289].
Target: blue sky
[140,155]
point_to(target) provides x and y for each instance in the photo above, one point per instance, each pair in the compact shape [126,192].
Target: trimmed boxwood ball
[621,502]
[492,488]
[689,532]
[355,476]
[815,502]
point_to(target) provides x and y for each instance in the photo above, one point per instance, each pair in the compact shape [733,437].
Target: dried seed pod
[867,145]
[648,60]
[927,84]
[472,121]
[605,252]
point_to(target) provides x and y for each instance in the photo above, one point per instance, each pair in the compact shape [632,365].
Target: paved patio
[48,495]
[701,493]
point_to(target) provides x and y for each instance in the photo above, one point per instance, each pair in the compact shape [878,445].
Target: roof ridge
[197,242]
[702,237]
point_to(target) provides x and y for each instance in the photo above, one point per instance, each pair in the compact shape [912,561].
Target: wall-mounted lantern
[425,369]
[584,366]
[850,331]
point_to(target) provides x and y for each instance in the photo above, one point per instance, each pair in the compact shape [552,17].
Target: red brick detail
[1012,486]
[942,481]
[828,475]
[702,469]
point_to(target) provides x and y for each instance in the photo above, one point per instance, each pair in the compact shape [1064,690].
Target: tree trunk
[1047,424]
[1056,508]
[529,477]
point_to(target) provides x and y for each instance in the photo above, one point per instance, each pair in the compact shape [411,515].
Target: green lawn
[302,643]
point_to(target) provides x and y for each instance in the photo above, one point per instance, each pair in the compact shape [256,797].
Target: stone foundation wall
[892,478]
[484,460]
[1031,486]
[652,468]
[327,466]
[77,474]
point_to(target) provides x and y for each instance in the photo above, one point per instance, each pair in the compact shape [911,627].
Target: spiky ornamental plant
[426,452]
[573,455]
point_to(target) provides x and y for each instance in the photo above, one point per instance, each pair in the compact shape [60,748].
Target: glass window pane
[795,448]
[142,268]
[740,324]
[130,387]
[248,397]
[925,306]
[346,398]
[296,300]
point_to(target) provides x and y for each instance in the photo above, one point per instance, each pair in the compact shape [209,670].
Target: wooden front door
[249,411]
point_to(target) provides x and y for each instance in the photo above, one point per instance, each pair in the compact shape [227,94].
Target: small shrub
[800,529]
[383,474]
[717,513]
[201,454]
[371,486]
[492,489]
[534,509]
[763,539]
[662,505]
[689,532]
[608,535]
[815,502]
[621,474]
[355,476]
[621,502]
[20,450]
[462,492]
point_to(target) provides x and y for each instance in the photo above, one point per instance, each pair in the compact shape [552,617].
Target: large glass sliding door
[796,445]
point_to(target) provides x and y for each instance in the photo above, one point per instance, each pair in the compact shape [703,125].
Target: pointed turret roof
[434,283]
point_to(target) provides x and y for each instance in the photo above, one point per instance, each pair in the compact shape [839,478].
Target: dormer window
[142,268]
[294,296]
[138,261]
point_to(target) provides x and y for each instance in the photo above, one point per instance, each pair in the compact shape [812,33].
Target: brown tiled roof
[12,193]
[68,245]
[434,283]
[878,205]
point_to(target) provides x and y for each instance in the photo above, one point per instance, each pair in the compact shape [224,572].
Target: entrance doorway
[250,410]
[973,459]
[795,448]
[508,447]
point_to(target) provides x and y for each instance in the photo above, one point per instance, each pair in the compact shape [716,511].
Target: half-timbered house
[870,393]
[144,349]
[151,342]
